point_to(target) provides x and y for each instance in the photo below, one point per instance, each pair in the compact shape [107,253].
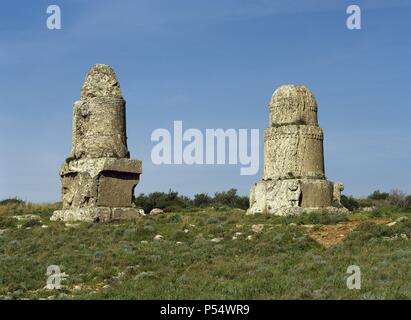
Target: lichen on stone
[101,81]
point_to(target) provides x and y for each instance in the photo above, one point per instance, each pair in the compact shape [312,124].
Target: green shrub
[202,200]
[377,195]
[349,202]
[170,201]
[175,218]
[230,199]
[213,220]
[11,201]
[7,222]
[180,235]
[31,223]
[368,230]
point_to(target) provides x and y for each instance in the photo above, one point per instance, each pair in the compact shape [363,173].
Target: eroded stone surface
[101,81]
[338,189]
[98,174]
[294,176]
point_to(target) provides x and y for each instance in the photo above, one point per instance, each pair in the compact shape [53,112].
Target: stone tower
[98,178]
[294,178]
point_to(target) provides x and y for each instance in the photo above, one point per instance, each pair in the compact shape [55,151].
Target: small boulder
[27,217]
[401,219]
[158,237]
[257,228]
[156,211]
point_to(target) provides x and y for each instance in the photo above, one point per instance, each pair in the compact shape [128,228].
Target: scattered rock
[401,219]
[186,230]
[141,212]
[308,225]
[257,228]
[158,237]
[250,238]
[235,238]
[44,226]
[144,274]
[143,242]
[237,234]
[292,224]
[156,211]
[72,225]
[216,240]
[2,231]
[178,243]
[27,217]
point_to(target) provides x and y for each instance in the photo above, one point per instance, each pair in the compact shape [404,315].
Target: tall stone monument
[294,179]
[98,178]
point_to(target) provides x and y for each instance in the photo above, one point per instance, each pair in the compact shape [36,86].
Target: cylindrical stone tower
[294,178]
[99,120]
[293,144]
[98,178]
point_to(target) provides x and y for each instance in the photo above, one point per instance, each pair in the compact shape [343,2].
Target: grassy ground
[198,258]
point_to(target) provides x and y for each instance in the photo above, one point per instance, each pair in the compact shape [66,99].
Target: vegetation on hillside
[203,252]
[172,201]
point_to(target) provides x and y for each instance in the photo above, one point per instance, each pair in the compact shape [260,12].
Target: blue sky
[211,64]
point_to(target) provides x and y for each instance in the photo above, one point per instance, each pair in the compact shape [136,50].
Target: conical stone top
[293,104]
[101,81]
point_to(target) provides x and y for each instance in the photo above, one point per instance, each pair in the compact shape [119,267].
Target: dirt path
[330,235]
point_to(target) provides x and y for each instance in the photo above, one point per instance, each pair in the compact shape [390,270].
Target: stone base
[293,211]
[99,182]
[292,196]
[96,214]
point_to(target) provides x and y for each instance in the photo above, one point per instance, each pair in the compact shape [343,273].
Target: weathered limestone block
[274,196]
[293,151]
[316,193]
[92,214]
[99,182]
[98,178]
[338,189]
[294,177]
[292,104]
[99,128]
